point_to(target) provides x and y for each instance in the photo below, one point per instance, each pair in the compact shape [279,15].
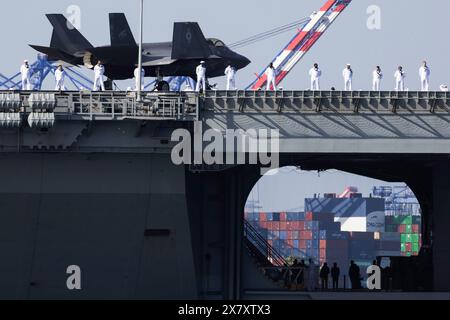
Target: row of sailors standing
[315,74]
[60,75]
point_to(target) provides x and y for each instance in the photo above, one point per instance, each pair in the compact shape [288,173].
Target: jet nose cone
[242,62]
[246,61]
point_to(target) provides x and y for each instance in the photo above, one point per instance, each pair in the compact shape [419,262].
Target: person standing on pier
[60,76]
[25,73]
[315,73]
[230,72]
[271,78]
[400,79]
[377,76]
[201,77]
[348,77]
[335,273]
[99,71]
[424,74]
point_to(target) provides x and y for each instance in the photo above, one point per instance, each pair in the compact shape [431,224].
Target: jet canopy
[216,42]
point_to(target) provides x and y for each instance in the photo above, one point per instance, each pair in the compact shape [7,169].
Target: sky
[410,31]
[285,189]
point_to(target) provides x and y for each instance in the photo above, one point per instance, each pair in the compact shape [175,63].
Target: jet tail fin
[65,36]
[189,42]
[120,31]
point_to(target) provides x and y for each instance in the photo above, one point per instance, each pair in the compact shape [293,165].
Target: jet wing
[157,61]
[120,55]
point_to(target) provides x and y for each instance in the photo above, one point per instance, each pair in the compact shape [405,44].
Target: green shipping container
[407,220]
[406,237]
[398,219]
[403,247]
[409,228]
[408,254]
[415,238]
[415,247]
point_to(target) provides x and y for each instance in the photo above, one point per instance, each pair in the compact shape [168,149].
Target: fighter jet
[177,58]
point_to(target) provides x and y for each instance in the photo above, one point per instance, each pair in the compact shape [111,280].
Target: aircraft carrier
[94,206]
[88,181]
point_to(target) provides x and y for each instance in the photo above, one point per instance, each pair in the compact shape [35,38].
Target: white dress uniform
[315,74]
[99,71]
[424,74]
[25,73]
[348,79]
[399,80]
[377,76]
[60,76]
[201,78]
[271,79]
[230,72]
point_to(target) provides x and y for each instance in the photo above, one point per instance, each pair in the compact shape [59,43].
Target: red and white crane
[306,37]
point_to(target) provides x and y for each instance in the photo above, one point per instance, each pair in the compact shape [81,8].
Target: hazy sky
[287,189]
[411,30]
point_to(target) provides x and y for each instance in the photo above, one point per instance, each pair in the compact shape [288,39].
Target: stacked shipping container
[409,229]
[303,235]
[316,234]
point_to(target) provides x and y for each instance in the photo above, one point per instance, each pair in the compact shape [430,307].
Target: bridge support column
[441,227]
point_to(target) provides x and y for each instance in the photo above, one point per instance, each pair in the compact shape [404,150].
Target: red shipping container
[282,216]
[402,228]
[415,228]
[294,225]
[283,226]
[290,243]
[270,242]
[408,247]
[301,225]
[288,225]
[302,244]
[289,235]
[262,216]
[275,225]
[323,244]
[323,254]
[263,224]
[308,216]
[307,235]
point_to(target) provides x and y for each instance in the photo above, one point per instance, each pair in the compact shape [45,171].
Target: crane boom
[285,61]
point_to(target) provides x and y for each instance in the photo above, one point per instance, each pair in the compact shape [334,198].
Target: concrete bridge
[88,180]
